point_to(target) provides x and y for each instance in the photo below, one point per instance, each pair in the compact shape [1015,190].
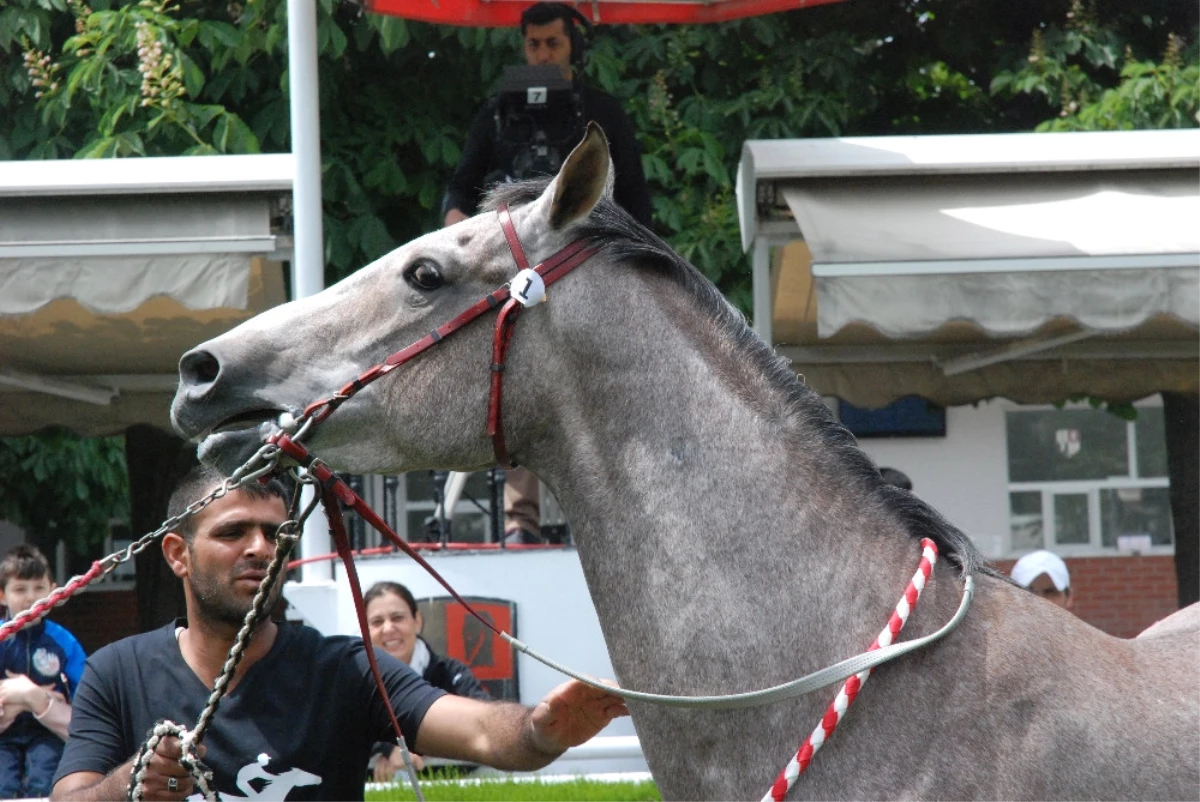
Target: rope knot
[188,758]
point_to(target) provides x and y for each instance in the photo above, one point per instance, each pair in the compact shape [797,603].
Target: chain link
[268,454]
[250,471]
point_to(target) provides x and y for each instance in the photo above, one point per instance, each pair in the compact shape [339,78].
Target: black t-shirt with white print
[299,725]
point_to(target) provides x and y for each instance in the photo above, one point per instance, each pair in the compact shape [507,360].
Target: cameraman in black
[491,155]
[551,38]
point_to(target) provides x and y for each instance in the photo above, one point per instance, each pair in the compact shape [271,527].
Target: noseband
[526,289]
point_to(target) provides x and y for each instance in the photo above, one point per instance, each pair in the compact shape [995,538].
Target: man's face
[1043,586]
[20,594]
[227,558]
[548,44]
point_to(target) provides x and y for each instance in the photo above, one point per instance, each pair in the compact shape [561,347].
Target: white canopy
[111,268]
[952,255]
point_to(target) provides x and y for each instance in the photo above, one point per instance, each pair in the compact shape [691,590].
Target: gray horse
[732,533]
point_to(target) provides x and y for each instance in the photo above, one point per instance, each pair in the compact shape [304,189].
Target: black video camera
[539,118]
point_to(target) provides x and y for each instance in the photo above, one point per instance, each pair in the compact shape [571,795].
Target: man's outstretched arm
[513,737]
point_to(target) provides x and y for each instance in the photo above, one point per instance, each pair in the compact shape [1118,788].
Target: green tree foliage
[59,486]
[1097,81]
[156,78]
[153,78]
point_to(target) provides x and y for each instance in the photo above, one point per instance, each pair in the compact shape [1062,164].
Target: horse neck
[698,497]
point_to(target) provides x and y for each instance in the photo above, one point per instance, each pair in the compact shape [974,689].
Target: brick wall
[99,617]
[1120,595]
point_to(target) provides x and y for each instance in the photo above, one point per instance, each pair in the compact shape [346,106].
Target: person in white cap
[1045,574]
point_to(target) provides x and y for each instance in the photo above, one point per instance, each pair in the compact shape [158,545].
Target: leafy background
[170,77]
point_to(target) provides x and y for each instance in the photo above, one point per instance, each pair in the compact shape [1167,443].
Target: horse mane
[611,229]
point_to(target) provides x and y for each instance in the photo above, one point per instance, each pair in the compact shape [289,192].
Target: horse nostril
[198,367]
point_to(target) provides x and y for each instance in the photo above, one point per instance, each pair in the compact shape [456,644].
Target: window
[1083,480]
[471,517]
[911,416]
[406,503]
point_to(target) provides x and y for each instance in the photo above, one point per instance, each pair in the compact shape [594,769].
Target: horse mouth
[231,443]
[243,421]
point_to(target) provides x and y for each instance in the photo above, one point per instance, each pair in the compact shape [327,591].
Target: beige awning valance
[1008,254]
[98,373]
[1008,304]
[958,362]
[118,284]
[110,269]
[1028,266]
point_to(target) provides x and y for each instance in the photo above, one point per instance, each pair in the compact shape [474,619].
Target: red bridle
[551,270]
[332,489]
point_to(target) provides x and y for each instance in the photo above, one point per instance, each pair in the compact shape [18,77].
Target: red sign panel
[454,632]
[488,655]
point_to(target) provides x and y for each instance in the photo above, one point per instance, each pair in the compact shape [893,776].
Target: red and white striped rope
[58,597]
[267,456]
[837,709]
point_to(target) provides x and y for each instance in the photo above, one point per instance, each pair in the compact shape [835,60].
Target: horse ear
[585,177]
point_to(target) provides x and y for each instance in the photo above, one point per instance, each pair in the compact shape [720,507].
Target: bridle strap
[551,270]
[331,484]
[337,527]
[510,234]
[501,337]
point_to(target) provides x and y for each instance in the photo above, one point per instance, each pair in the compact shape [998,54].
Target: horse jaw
[228,451]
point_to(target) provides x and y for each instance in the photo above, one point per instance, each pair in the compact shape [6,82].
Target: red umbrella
[507,13]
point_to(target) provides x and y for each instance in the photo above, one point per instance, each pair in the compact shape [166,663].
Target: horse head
[238,389]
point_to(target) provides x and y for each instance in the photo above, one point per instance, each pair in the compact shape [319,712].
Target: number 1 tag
[528,288]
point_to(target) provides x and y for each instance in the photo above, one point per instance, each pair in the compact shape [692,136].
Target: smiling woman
[395,627]
[395,624]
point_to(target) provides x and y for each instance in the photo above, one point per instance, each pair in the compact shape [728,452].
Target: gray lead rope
[778,693]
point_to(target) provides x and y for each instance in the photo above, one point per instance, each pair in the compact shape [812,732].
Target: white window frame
[1090,487]
[401,504]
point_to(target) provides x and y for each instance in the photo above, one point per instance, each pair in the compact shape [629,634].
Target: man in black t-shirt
[551,38]
[302,712]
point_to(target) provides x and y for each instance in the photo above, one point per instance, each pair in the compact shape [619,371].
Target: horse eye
[424,274]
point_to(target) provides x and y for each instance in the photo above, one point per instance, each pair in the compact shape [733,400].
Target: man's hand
[453,216]
[574,713]
[163,766]
[511,736]
[386,767]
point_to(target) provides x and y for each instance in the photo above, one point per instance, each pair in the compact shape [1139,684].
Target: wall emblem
[452,631]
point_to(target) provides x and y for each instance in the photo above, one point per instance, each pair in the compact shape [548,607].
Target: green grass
[501,789]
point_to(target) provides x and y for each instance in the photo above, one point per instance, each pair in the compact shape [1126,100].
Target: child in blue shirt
[42,665]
